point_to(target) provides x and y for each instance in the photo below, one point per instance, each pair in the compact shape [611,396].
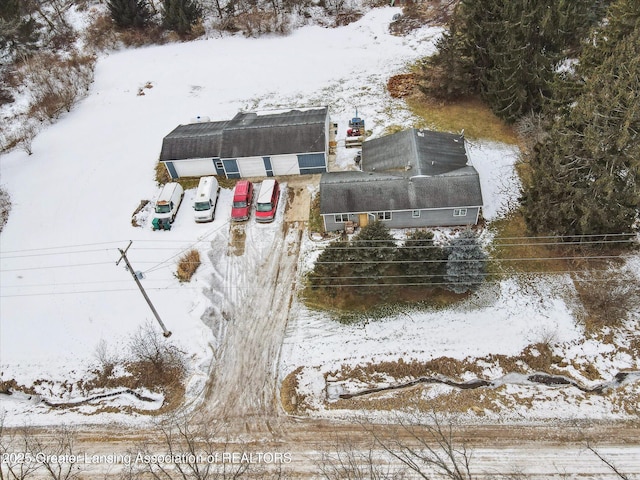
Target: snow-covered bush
[55,82]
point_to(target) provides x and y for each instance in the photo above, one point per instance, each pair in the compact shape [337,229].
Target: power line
[338,277]
[54,253]
[64,246]
[487,260]
[55,266]
[503,274]
[407,244]
[633,237]
[38,285]
[250,288]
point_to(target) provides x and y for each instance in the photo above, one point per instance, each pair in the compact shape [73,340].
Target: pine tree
[362,261]
[328,269]
[129,13]
[506,51]
[466,263]
[622,20]
[180,15]
[425,261]
[586,176]
[370,248]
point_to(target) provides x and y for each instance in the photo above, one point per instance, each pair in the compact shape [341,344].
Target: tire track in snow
[256,294]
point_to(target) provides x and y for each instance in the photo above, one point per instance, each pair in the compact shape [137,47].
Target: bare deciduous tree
[149,346]
[50,451]
[15,464]
[349,462]
[430,450]
[198,450]
[608,463]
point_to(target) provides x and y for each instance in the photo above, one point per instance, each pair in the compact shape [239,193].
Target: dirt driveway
[251,294]
[299,197]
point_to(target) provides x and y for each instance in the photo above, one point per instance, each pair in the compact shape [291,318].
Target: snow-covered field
[62,294]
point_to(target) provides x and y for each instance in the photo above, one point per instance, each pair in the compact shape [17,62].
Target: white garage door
[251,167]
[194,168]
[285,165]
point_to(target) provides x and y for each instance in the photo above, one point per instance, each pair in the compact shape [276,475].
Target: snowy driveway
[250,296]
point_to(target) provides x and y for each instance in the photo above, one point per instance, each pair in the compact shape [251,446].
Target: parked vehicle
[206,199]
[267,201]
[242,198]
[355,132]
[169,201]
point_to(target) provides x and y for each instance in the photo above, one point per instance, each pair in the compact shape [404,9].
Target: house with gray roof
[251,144]
[413,178]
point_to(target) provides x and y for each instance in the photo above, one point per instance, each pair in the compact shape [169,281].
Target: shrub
[129,13]
[5,207]
[162,175]
[100,34]
[55,83]
[187,265]
[180,15]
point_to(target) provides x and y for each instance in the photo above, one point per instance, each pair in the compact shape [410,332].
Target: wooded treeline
[567,73]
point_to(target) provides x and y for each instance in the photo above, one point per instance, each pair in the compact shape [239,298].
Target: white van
[206,199]
[169,201]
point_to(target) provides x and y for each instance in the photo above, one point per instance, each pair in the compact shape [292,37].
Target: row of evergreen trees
[585,175]
[373,259]
[574,65]
[177,15]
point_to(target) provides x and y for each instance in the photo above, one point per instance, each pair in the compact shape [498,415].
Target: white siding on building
[252,167]
[285,165]
[195,168]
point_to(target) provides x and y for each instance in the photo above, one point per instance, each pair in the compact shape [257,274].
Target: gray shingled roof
[195,140]
[414,152]
[249,135]
[296,131]
[355,192]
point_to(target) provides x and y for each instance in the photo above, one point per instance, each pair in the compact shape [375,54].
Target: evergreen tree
[18,31]
[622,20]
[586,175]
[425,261]
[180,15]
[358,262]
[466,263]
[370,248]
[328,269]
[506,51]
[129,13]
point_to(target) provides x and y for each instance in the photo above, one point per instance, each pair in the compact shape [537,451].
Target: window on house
[415,213]
[219,165]
[383,216]
[341,217]
[459,212]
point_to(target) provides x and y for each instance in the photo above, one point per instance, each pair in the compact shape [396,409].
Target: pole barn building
[250,145]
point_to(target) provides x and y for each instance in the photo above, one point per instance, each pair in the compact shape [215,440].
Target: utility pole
[123,255]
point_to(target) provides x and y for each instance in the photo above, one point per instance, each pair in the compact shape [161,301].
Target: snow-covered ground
[62,294]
